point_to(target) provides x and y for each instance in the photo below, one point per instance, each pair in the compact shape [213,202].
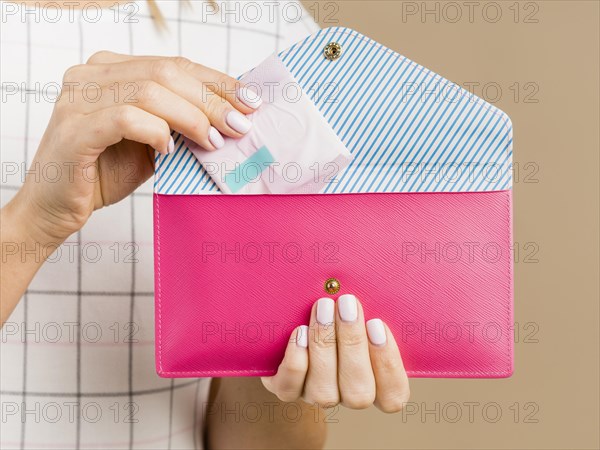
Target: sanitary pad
[290,149]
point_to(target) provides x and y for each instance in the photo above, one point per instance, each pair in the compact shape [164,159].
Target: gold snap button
[332,286]
[332,51]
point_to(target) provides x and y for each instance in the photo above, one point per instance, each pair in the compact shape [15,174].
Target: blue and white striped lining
[408,129]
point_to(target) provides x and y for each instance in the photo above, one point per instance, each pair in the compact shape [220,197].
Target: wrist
[25,225]
[25,247]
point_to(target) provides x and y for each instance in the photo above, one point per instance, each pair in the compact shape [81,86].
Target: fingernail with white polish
[302,336]
[325,309]
[171,146]
[215,138]
[249,98]
[348,307]
[376,332]
[238,122]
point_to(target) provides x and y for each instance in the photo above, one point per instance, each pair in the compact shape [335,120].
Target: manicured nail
[249,98]
[376,332]
[348,307]
[238,122]
[302,336]
[325,309]
[171,146]
[215,138]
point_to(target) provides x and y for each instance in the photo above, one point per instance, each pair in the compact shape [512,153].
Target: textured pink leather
[240,272]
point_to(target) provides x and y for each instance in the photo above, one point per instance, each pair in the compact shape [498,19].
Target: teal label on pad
[249,170]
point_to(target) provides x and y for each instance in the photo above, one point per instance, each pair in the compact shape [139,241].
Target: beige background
[556,220]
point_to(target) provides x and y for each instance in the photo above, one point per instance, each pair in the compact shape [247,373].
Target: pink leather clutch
[418,226]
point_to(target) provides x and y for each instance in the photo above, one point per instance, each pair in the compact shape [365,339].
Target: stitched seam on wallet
[509,277]
[158,283]
[420,68]
[200,373]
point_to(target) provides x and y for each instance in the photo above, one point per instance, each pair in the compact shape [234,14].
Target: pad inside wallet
[417,223]
[290,148]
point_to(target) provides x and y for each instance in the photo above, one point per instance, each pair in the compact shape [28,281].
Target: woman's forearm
[24,249]
[241,414]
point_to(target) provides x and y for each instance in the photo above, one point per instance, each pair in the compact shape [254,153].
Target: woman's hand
[339,359]
[112,114]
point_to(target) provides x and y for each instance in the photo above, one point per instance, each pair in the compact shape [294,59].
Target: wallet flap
[408,129]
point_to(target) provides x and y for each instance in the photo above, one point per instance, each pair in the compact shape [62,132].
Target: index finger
[287,384]
[241,97]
